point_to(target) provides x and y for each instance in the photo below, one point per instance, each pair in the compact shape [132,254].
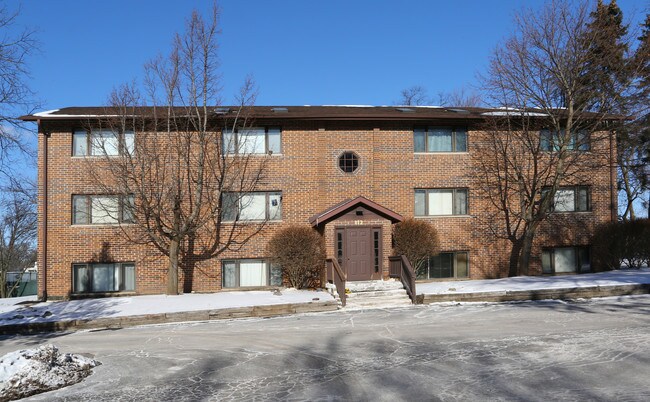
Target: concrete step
[373,294]
[365,286]
[378,293]
[377,303]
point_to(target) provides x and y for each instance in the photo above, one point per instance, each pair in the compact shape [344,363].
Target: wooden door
[359,255]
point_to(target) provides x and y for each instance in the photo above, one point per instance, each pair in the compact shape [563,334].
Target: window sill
[97,156]
[95,225]
[570,212]
[442,153]
[92,295]
[441,280]
[253,221]
[442,216]
[257,155]
[251,288]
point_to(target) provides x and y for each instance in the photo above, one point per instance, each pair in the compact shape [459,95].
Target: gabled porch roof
[350,204]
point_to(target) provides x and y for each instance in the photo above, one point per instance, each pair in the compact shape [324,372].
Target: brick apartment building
[350,172]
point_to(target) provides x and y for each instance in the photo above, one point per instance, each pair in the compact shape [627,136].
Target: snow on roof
[50,114]
[46,113]
[348,106]
[514,112]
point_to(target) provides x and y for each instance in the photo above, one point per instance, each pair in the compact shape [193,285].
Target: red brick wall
[307,173]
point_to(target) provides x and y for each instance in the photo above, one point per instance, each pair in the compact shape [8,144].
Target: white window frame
[240,198]
[235,146]
[454,207]
[454,130]
[268,266]
[454,267]
[580,264]
[550,140]
[576,191]
[119,277]
[89,138]
[122,213]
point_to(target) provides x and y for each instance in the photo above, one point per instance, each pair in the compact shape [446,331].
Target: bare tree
[414,96]
[460,98]
[549,115]
[187,177]
[15,95]
[17,234]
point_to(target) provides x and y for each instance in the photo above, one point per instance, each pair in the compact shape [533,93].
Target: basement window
[103,278]
[562,260]
[250,273]
[445,265]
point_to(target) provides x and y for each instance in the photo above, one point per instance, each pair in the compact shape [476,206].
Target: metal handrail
[336,275]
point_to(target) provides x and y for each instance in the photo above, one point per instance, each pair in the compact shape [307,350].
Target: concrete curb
[201,315]
[541,294]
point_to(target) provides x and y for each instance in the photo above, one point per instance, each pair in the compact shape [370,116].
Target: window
[102,209]
[571,199]
[551,140]
[253,140]
[445,265]
[348,162]
[102,142]
[103,277]
[339,246]
[248,273]
[440,139]
[375,238]
[257,206]
[566,260]
[447,201]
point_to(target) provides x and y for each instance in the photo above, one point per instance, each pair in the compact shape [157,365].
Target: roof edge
[335,211]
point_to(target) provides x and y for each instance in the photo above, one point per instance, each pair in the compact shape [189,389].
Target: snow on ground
[610,278]
[12,303]
[153,304]
[32,371]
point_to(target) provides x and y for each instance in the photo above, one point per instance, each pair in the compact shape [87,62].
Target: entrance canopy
[346,206]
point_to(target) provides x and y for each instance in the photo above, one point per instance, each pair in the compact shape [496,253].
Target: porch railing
[336,275]
[401,268]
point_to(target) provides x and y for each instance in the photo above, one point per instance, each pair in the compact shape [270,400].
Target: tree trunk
[513,269]
[172,272]
[526,248]
[189,264]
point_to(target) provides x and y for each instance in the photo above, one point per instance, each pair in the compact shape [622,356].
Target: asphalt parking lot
[583,350]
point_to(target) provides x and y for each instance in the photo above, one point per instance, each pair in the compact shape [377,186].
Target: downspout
[612,179]
[43,266]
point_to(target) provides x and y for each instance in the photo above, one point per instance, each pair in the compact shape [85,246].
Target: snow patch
[89,309]
[32,371]
[610,278]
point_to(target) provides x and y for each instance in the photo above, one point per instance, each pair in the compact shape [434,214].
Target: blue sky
[300,52]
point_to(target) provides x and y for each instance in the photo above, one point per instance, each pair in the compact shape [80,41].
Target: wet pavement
[534,351]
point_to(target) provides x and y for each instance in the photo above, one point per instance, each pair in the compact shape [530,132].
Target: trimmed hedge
[417,240]
[300,251]
[622,244]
